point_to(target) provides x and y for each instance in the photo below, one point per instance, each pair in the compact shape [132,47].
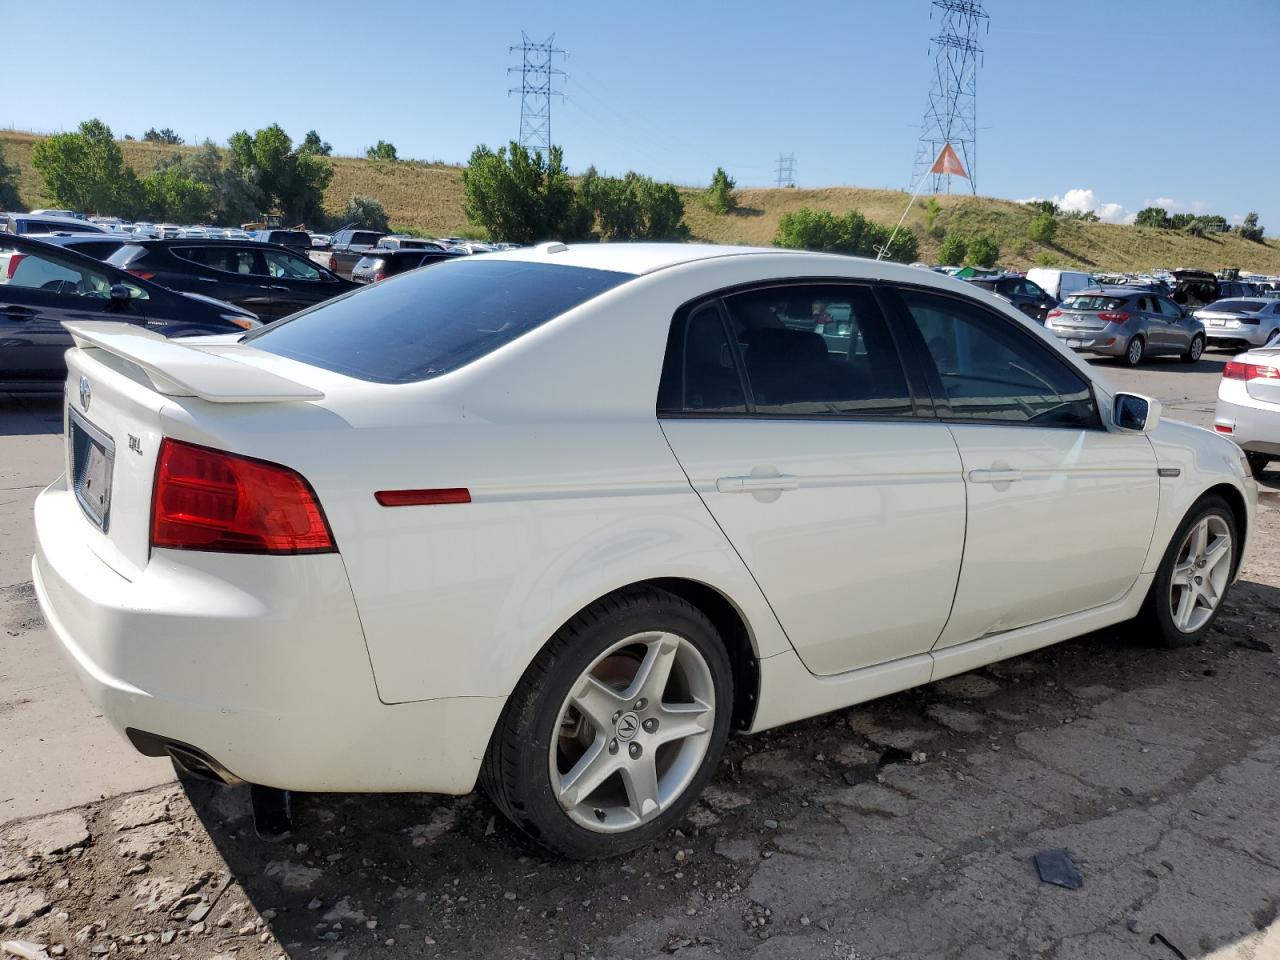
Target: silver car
[1127,323]
[1241,322]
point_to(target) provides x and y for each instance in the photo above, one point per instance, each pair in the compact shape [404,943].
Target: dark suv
[1021,292]
[271,280]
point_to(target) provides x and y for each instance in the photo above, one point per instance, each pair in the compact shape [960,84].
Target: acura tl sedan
[559,519]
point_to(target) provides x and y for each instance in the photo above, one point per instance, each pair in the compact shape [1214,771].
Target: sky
[1109,105]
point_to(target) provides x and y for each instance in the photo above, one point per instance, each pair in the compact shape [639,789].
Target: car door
[789,409]
[1180,327]
[1060,510]
[295,282]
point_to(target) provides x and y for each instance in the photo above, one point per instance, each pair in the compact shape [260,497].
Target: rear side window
[362,238]
[426,323]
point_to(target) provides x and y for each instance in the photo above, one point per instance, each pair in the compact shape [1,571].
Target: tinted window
[66,276]
[1096,302]
[364,238]
[820,350]
[229,259]
[700,374]
[1169,308]
[286,266]
[990,371]
[1237,306]
[428,322]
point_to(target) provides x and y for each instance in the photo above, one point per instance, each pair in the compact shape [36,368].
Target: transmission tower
[537,86]
[951,116]
[786,170]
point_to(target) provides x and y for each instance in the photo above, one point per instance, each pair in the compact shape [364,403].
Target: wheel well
[724,616]
[1239,511]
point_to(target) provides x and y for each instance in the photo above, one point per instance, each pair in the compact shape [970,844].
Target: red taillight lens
[1113,316]
[1055,312]
[333,262]
[207,499]
[14,260]
[141,274]
[379,276]
[1234,370]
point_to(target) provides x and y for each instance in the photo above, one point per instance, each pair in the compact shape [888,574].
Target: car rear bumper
[258,663]
[1253,424]
[1242,335]
[1105,342]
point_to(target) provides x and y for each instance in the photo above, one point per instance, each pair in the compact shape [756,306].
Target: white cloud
[1177,206]
[1082,200]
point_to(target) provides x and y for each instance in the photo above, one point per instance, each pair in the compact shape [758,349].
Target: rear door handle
[756,484]
[1001,475]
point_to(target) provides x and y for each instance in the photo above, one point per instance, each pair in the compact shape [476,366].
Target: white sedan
[1248,409]
[558,518]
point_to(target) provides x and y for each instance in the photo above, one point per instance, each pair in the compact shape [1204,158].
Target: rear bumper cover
[259,662]
[1254,424]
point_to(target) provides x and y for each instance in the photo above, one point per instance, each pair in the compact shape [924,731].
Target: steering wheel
[61,286]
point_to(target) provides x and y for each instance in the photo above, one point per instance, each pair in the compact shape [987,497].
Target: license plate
[92,456]
[1075,343]
[1217,323]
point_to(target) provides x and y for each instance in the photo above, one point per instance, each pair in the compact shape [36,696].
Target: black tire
[1257,461]
[516,772]
[1156,616]
[1134,351]
[1195,350]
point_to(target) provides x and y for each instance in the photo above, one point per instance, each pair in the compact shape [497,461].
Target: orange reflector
[423,498]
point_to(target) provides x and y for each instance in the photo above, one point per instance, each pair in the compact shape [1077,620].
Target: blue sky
[1111,104]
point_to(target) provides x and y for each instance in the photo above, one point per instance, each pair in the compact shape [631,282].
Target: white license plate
[92,455]
[1075,343]
[1217,323]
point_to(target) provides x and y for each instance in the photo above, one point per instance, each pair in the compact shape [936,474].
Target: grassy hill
[428,197]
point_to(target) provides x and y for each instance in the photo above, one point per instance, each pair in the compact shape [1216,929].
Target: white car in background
[558,519]
[1248,409]
[1243,321]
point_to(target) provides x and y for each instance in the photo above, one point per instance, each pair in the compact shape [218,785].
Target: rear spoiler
[187,369]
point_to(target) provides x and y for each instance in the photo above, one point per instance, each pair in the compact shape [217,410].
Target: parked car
[381,264]
[294,239]
[96,245]
[396,241]
[559,519]
[1248,409]
[1198,288]
[1129,324]
[43,285]
[1247,322]
[271,280]
[1060,284]
[320,241]
[347,247]
[1021,292]
[168,231]
[40,223]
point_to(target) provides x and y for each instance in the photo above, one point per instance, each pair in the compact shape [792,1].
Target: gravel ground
[903,828]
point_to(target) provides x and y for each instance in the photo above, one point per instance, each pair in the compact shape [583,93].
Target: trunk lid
[1267,389]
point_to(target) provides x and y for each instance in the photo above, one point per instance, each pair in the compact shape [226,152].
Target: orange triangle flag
[948,163]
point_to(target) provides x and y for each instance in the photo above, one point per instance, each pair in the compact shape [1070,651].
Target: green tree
[633,207]
[85,170]
[162,136]
[290,181]
[232,197]
[1087,216]
[312,143]
[1043,228]
[982,250]
[854,234]
[719,196]
[1152,217]
[1044,206]
[953,250]
[170,194]
[1195,227]
[382,151]
[1179,221]
[365,213]
[522,197]
[932,209]
[8,186]
[1215,223]
[1250,229]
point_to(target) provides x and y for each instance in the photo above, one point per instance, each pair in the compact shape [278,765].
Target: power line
[786,171]
[951,116]
[537,86]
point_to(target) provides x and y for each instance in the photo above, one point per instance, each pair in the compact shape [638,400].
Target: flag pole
[888,243]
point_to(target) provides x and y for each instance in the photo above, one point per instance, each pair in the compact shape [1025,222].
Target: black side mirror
[119,293]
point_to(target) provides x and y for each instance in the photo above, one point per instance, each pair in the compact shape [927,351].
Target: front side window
[990,371]
[288,267]
[53,274]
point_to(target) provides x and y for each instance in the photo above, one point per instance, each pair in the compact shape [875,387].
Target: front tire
[1194,576]
[1195,350]
[1133,351]
[615,728]
[1257,462]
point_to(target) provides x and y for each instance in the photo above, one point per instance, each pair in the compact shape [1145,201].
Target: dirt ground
[904,828]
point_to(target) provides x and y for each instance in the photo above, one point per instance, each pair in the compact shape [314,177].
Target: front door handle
[756,484]
[276,286]
[995,475]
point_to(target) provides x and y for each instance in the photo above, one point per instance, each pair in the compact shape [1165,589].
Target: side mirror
[119,293]
[1134,413]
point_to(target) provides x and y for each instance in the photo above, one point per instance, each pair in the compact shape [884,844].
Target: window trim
[941,402]
[917,390]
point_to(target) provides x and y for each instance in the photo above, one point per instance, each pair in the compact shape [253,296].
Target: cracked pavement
[903,828]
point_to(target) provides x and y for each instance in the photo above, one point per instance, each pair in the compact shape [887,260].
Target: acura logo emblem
[628,725]
[85,394]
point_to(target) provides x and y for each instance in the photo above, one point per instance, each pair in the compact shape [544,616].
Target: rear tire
[1133,351]
[1195,350]
[586,759]
[1194,577]
[1257,461]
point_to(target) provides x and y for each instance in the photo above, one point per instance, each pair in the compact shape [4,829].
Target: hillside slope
[428,197]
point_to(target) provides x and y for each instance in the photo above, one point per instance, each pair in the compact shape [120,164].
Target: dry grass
[428,197]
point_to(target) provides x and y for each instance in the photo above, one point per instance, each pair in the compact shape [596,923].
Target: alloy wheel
[1197,348]
[633,732]
[1134,352]
[1201,571]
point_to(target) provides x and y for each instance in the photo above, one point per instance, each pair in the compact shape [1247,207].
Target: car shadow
[30,414]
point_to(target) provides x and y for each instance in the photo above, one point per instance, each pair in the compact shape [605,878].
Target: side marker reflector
[423,498]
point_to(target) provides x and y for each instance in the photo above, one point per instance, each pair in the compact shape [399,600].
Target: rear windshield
[1237,306]
[359,239]
[1093,303]
[429,322]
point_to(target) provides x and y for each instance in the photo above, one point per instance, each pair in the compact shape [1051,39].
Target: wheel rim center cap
[628,726]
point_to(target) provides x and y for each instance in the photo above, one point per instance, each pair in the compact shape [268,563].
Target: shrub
[983,251]
[382,151]
[719,196]
[8,186]
[1250,229]
[953,250]
[931,210]
[365,213]
[1046,260]
[806,229]
[633,207]
[1044,206]
[1043,228]
[521,196]
[1152,217]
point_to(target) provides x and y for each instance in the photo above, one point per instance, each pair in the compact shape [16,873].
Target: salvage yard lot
[902,828]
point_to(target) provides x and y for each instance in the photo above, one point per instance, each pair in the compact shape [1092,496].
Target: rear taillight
[333,262]
[380,275]
[207,499]
[141,274]
[1113,316]
[1235,370]
[14,260]
[1055,312]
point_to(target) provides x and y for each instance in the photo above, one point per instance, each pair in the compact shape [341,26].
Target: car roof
[633,258]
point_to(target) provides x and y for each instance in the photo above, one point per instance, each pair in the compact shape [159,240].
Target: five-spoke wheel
[1194,575]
